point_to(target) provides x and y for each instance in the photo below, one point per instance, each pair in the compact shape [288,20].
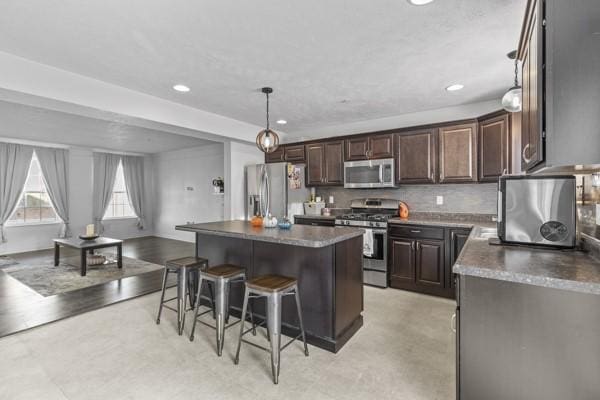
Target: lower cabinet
[421,259]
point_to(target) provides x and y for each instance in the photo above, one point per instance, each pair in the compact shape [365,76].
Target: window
[34,205]
[119,206]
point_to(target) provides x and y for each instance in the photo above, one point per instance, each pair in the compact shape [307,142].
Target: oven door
[378,260]
[369,174]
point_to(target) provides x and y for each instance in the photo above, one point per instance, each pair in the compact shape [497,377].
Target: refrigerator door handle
[267,195]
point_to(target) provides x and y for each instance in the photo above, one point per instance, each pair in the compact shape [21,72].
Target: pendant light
[267,140]
[512,101]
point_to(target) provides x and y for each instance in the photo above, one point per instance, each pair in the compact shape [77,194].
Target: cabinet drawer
[416,232]
[314,221]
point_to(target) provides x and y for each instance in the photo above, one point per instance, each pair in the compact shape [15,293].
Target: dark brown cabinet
[417,263]
[325,163]
[532,141]
[494,147]
[370,147]
[294,153]
[416,156]
[458,153]
[458,238]
[277,156]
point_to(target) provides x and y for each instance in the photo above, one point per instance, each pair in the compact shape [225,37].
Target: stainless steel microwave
[369,173]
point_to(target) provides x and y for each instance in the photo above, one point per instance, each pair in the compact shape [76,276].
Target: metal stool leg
[242,324]
[212,300]
[200,281]
[181,298]
[222,297]
[162,296]
[299,307]
[274,324]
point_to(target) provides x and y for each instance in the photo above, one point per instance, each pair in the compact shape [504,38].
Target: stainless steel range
[372,215]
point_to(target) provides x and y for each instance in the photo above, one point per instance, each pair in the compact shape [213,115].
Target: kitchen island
[326,261]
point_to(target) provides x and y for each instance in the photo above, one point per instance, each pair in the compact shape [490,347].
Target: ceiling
[330,62]
[42,125]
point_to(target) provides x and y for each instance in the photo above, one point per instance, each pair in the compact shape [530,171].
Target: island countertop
[297,235]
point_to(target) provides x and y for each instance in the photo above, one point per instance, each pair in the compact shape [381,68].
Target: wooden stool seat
[271,283]
[187,262]
[224,271]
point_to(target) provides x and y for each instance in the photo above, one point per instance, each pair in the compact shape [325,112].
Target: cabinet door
[277,156]
[532,143]
[402,257]
[430,263]
[357,148]
[294,153]
[458,153]
[381,146]
[458,238]
[334,163]
[494,147]
[315,164]
[416,157]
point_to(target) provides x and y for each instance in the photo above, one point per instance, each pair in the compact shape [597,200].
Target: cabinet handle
[504,171]
[432,178]
[412,245]
[415,231]
[419,246]
[453,323]
[525,158]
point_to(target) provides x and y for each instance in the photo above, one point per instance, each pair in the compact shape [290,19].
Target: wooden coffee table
[88,246]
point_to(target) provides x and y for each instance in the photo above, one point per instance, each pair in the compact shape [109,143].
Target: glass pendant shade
[513,99]
[267,141]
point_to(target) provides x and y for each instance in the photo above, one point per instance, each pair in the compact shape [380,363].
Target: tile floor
[404,351]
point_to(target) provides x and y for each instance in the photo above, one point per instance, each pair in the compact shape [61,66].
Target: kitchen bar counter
[298,235]
[327,262]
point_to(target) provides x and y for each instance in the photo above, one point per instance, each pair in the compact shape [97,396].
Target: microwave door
[363,175]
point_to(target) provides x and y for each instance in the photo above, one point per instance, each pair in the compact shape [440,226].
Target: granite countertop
[446,220]
[560,269]
[298,235]
[325,217]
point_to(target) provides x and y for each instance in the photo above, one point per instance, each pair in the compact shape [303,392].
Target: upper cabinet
[494,146]
[560,53]
[532,135]
[325,163]
[277,156]
[295,153]
[416,156]
[370,147]
[458,153]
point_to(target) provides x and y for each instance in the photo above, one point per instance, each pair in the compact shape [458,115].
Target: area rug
[46,279]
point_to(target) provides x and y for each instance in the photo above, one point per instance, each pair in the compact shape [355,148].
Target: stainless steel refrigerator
[274,188]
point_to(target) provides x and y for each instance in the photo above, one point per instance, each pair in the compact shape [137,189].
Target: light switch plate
[439,200]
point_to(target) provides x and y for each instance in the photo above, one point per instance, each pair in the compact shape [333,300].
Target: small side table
[88,246]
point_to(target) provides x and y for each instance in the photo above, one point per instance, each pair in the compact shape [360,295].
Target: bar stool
[222,276]
[186,269]
[274,288]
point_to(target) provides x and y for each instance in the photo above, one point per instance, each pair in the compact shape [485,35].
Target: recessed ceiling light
[281,121]
[181,88]
[419,2]
[455,87]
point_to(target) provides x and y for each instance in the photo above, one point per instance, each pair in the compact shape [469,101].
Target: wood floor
[22,308]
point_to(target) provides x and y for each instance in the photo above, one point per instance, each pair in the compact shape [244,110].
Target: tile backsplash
[458,198]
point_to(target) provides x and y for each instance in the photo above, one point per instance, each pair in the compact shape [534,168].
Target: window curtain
[54,164]
[105,171]
[14,166]
[133,169]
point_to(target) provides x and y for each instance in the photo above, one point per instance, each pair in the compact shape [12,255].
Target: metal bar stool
[274,288]
[222,276]
[186,269]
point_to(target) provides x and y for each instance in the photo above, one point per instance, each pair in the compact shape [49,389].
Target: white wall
[175,171]
[237,156]
[35,237]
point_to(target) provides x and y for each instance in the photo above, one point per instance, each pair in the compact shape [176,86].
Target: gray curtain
[133,169]
[105,171]
[54,164]
[14,166]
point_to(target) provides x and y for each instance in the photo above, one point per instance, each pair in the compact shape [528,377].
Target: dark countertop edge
[293,242]
[516,277]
